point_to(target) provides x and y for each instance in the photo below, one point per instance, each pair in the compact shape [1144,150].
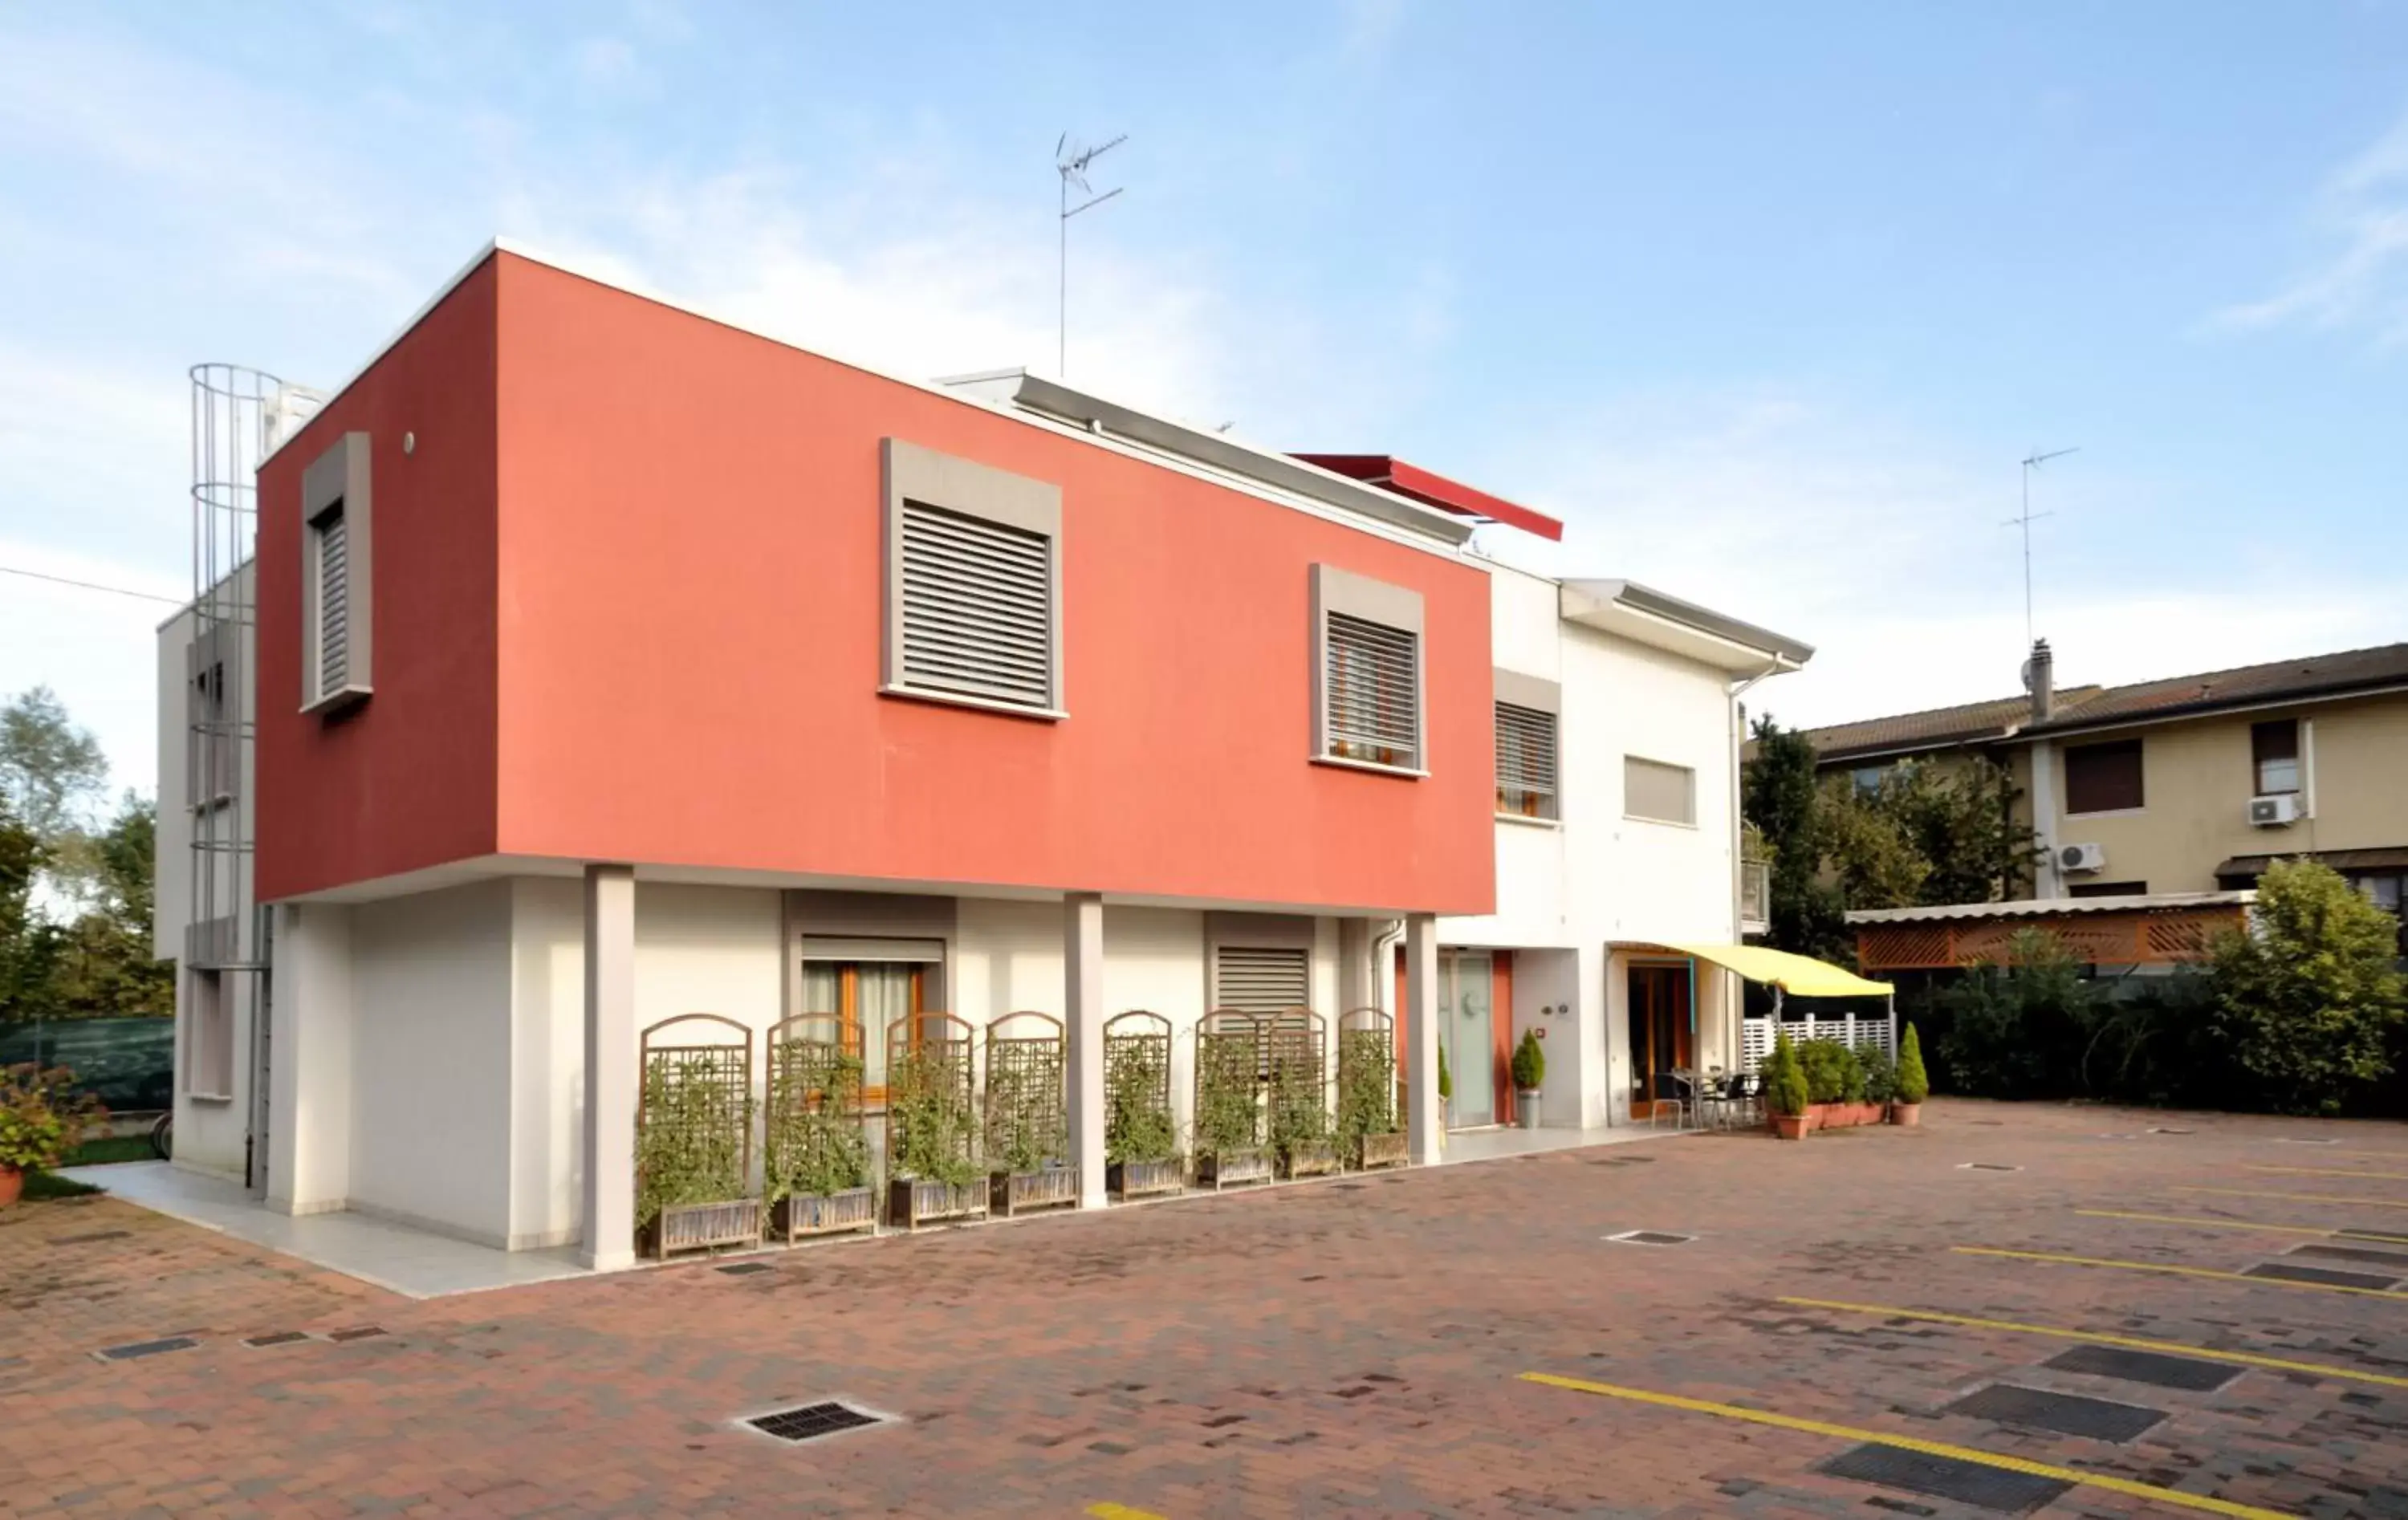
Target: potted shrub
[1825,1063]
[41,1120]
[1913,1087]
[1852,1089]
[1140,1143]
[1529,1074]
[1880,1085]
[1228,1107]
[1028,1127]
[693,1154]
[1786,1096]
[932,1138]
[816,1164]
[1299,1100]
[1368,1133]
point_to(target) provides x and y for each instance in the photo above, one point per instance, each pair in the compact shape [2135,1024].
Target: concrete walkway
[415,1263]
[1494,1145]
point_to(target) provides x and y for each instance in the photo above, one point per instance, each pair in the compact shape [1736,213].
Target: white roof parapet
[2144,902]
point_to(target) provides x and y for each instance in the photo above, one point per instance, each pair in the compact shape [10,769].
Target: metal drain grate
[1985,1165]
[2153,1367]
[747,1269]
[2352,1252]
[361,1332]
[93,1238]
[2290,1140]
[2067,1415]
[2169,1129]
[276,1337]
[1651,1237]
[1945,1477]
[145,1348]
[2284,1271]
[813,1422]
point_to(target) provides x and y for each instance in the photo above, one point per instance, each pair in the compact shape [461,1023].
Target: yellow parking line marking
[2176,1271]
[2334,1171]
[2299,1197]
[1912,1444]
[2134,1343]
[2208,1224]
[1109,1511]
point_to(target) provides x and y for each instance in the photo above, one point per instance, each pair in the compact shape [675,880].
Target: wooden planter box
[914,1201]
[799,1215]
[1143,1179]
[1233,1169]
[1376,1151]
[1014,1192]
[1311,1158]
[698,1226]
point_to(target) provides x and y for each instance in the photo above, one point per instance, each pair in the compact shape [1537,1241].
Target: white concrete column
[1357,984]
[309,1060]
[1082,1004]
[1424,1129]
[611,1076]
[2047,882]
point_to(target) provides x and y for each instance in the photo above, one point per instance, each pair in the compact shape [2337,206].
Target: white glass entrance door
[1467,984]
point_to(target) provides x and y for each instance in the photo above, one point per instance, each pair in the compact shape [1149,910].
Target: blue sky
[1766,301]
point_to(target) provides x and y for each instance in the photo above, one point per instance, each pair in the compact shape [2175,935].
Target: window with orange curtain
[869,996]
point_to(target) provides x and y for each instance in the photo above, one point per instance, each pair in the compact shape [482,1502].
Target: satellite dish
[2028,675]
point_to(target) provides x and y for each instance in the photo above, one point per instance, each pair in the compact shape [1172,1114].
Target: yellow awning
[1801,974]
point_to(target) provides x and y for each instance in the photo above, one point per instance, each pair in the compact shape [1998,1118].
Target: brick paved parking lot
[1360,1347]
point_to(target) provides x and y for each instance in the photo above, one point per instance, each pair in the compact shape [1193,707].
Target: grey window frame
[1534,696]
[336,483]
[2259,760]
[1395,608]
[910,473]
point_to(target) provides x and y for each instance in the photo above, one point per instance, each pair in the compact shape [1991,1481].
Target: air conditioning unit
[2279,812]
[2081,857]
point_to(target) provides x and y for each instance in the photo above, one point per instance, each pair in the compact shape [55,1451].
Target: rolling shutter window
[978,607]
[1653,790]
[1259,980]
[334,602]
[1525,761]
[1374,692]
[2103,777]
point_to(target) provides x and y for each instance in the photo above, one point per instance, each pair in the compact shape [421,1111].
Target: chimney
[2040,678]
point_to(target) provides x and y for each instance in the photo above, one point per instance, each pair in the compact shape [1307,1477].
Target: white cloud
[2362,283]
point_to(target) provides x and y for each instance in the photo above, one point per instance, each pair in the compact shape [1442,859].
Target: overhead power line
[92,585]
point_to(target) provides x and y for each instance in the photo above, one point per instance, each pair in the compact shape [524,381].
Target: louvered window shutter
[333,604]
[1374,692]
[1259,980]
[1525,761]
[978,607]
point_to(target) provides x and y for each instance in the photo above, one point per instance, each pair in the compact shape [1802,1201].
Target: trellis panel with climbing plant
[1296,1076]
[931,1121]
[694,1136]
[815,1145]
[1028,1115]
[1140,1136]
[1231,1056]
[1368,1131]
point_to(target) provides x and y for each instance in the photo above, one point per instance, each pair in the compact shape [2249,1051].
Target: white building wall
[547,1059]
[431,1048]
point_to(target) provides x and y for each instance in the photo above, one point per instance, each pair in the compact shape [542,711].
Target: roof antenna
[2025,520]
[1070,162]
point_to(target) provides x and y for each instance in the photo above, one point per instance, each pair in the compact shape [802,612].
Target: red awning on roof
[1435,489]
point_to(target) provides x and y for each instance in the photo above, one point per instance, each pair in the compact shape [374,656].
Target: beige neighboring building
[2192,783]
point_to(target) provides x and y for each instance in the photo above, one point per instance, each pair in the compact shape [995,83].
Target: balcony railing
[1754,896]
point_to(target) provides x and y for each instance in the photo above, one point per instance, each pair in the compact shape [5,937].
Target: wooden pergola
[2159,929]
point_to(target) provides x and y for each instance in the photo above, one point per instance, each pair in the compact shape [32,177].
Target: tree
[2017,1029]
[101,965]
[51,773]
[2307,999]
[1866,844]
[1778,794]
[1960,819]
[27,944]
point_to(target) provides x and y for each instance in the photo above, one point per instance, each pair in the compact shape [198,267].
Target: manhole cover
[747,1269]
[813,1422]
[2284,1271]
[145,1348]
[2067,1415]
[1985,1165]
[1651,1237]
[2352,1252]
[2153,1367]
[1946,1477]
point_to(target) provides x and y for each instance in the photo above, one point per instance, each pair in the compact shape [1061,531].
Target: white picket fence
[1865,1034]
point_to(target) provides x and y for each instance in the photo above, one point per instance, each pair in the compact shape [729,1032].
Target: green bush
[690,1147]
[1529,1062]
[929,1115]
[1826,1065]
[814,1144]
[1784,1078]
[2018,1029]
[2307,1001]
[1137,1114]
[1881,1078]
[1366,1083]
[1852,1077]
[1914,1085]
[42,1117]
[1228,1094]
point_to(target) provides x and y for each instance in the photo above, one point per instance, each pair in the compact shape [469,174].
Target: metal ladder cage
[1026,1095]
[814,1094]
[1231,1056]
[930,1064]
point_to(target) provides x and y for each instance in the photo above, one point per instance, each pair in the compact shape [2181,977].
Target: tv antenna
[1070,162]
[2025,519]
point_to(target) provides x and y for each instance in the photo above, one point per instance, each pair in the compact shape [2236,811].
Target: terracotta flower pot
[1790,1125]
[12,1186]
[1908,1115]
